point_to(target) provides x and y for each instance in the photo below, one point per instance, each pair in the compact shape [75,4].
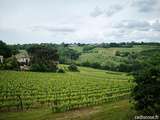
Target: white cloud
[61,29]
[81,21]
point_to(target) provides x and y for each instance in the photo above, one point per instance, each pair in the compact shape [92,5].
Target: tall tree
[146,93]
[5,50]
[43,58]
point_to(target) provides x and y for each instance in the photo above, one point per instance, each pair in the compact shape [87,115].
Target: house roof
[22,54]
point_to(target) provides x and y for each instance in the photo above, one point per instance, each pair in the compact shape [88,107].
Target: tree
[67,55]
[43,58]
[5,50]
[146,93]
[11,63]
[87,48]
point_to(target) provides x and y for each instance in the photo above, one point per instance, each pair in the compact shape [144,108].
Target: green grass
[120,110]
[107,55]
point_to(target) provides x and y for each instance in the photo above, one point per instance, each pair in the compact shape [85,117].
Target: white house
[1,59]
[25,60]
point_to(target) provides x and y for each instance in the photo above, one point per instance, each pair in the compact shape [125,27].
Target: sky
[79,21]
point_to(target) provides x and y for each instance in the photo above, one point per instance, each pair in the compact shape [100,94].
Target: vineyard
[61,91]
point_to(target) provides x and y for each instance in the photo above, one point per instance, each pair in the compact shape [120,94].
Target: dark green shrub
[43,59]
[73,67]
[60,70]
[95,65]
[5,50]
[11,64]
[86,63]
[147,91]
[117,53]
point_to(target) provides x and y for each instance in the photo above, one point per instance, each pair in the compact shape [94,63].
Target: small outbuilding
[1,59]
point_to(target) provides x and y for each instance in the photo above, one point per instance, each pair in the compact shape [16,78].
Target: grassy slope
[107,55]
[98,77]
[112,111]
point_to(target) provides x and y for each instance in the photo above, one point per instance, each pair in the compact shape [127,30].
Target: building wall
[1,59]
[23,60]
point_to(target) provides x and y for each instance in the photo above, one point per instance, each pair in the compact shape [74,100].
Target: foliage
[67,55]
[5,50]
[10,63]
[122,44]
[14,49]
[73,67]
[60,70]
[43,58]
[117,53]
[95,65]
[147,90]
[87,48]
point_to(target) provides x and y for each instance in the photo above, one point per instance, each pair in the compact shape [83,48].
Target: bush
[125,67]
[37,67]
[117,53]
[10,64]
[42,68]
[86,63]
[87,48]
[73,67]
[1,66]
[105,67]
[95,65]
[60,70]
[147,91]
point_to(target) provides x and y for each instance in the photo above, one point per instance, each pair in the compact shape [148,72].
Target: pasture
[107,56]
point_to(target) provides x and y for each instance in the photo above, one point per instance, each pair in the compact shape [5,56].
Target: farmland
[61,91]
[120,110]
[107,56]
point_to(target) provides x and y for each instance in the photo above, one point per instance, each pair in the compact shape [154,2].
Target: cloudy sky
[84,21]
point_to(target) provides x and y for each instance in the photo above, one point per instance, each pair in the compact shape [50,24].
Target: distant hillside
[110,58]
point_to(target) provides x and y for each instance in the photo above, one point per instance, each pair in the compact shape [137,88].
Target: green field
[106,56]
[61,91]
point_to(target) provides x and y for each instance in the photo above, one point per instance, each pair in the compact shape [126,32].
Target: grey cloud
[96,12]
[113,9]
[156,25]
[62,29]
[132,35]
[134,24]
[144,5]
[136,30]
